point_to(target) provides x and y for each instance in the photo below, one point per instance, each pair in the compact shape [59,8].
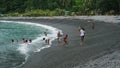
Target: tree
[66,4]
[108,5]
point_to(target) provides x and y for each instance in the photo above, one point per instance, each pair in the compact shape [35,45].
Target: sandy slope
[99,42]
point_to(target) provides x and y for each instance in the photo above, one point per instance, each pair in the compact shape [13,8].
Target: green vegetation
[59,7]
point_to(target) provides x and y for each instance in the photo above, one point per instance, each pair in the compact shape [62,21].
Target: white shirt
[82,32]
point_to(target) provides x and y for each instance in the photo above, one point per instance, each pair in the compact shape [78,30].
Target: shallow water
[12,54]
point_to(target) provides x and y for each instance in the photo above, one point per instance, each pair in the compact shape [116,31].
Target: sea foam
[25,48]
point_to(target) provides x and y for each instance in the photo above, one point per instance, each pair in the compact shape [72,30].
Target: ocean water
[13,54]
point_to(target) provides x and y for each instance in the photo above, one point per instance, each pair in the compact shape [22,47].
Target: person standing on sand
[82,35]
[65,40]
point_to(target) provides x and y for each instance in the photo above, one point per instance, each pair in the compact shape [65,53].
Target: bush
[59,12]
[56,12]
[14,14]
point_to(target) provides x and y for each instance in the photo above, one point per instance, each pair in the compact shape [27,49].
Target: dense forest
[59,7]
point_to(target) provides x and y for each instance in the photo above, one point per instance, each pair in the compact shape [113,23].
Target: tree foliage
[80,7]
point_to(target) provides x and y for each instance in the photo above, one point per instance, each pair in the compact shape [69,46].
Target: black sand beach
[103,39]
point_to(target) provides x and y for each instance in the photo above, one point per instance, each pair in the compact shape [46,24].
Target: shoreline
[107,18]
[75,55]
[51,35]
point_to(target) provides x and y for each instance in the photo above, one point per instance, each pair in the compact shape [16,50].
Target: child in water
[59,35]
[65,40]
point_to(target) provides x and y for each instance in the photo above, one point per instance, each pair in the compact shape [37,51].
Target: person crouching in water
[82,35]
[65,40]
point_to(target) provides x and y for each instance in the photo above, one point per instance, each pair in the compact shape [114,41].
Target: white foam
[38,50]
[24,48]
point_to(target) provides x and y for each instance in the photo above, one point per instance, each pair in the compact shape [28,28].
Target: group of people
[23,40]
[82,34]
[64,39]
[26,41]
[59,38]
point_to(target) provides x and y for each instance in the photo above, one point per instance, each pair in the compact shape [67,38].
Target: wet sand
[102,40]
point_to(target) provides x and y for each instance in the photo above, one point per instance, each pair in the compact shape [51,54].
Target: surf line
[53,30]
[52,35]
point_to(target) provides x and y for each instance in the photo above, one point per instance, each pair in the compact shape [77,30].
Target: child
[65,40]
[59,35]
[82,34]
[47,39]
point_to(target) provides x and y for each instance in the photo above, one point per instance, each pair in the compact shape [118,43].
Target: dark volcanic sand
[100,41]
